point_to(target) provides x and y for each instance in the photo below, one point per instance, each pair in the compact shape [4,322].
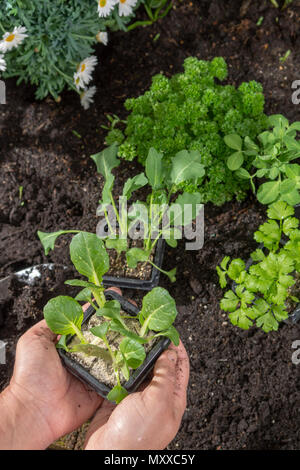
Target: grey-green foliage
[61,33]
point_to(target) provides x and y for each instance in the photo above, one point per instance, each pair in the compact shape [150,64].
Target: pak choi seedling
[159,216]
[64,315]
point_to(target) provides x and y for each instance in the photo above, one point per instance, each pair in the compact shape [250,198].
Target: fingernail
[172,355]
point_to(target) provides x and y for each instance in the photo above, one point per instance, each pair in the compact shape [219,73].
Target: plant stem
[84,37]
[79,334]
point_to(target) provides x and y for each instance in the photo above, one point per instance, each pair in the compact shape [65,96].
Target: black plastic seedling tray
[137,376]
[130,283]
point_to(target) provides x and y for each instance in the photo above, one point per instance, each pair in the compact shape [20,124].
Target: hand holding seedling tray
[64,316]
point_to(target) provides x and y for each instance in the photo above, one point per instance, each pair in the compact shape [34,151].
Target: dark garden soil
[244,390]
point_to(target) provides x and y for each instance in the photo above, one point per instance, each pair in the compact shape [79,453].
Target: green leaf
[233,141]
[235,268]
[229,302]
[106,193]
[89,256]
[292,198]
[171,236]
[222,277]
[268,192]
[277,120]
[258,255]
[111,309]
[171,274]
[290,224]
[133,352]
[63,315]
[186,166]
[80,283]
[136,255]
[293,172]
[101,330]
[235,161]
[267,322]
[280,210]
[241,318]
[48,239]
[158,310]
[92,350]
[172,334]
[106,160]
[117,394]
[242,173]
[133,184]
[224,262]
[274,172]
[250,145]
[118,327]
[118,244]
[62,343]
[295,126]
[85,295]
[287,186]
[269,234]
[153,168]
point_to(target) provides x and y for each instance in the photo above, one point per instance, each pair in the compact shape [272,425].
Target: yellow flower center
[102,3]
[83,67]
[10,38]
[122,1]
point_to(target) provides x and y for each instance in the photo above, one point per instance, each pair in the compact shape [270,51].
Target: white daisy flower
[105,7]
[84,71]
[13,39]
[126,6]
[86,97]
[102,37]
[2,63]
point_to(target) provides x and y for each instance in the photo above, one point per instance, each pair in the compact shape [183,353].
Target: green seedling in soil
[285,57]
[263,291]
[158,216]
[76,134]
[64,315]
[156,10]
[285,4]
[272,154]
[21,189]
[260,21]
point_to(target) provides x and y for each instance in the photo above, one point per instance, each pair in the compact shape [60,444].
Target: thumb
[164,377]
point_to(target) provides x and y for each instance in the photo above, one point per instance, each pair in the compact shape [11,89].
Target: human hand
[43,398]
[148,419]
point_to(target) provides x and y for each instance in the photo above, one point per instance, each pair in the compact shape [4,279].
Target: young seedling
[261,293]
[64,315]
[272,155]
[157,216]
